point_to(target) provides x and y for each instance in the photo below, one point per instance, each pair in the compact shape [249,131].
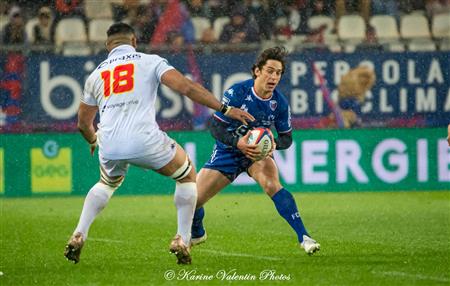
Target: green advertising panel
[318,160]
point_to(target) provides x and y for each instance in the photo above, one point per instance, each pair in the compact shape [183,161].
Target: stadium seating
[317,21]
[386,28]
[98,28]
[351,28]
[200,25]
[414,26]
[441,25]
[387,32]
[71,33]
[96,9]
[421,46]
[218,25]
[29,27]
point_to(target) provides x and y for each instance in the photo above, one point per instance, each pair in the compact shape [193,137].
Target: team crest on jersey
[273,105]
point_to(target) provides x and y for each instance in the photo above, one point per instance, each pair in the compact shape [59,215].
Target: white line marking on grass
[238,254]
[410,275]
[105,240]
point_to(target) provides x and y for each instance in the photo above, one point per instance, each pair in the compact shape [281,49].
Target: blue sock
[286,207]
[197,223]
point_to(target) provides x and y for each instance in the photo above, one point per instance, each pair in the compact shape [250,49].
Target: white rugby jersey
[124,87]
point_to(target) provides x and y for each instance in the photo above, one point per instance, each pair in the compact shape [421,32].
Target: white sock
[95,201]
[185,200]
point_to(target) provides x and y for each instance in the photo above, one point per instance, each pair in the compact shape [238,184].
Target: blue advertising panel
[411,89]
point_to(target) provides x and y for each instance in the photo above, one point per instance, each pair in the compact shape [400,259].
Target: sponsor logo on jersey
[273,105]
[51,168]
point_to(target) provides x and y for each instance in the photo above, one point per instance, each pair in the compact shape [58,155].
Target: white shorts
[163,152]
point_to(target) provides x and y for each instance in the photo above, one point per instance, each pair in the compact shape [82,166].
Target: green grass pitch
[384,238]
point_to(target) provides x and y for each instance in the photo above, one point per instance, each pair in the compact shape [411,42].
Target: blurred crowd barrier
[40,92]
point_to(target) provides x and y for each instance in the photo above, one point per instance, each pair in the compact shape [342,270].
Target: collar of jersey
[260,98]
[122,49]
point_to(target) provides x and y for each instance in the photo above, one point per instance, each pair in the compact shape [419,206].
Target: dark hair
[275,53]
[119,28]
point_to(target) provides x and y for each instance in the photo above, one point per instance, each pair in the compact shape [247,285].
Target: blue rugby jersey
[273,111]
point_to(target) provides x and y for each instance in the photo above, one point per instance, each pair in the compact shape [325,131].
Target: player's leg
[111,177]
[265,173]
[180,168]
[209,183]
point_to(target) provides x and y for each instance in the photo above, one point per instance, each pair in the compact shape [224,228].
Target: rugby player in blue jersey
[232,155]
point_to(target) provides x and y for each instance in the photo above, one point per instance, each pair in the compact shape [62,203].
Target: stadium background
[400,146]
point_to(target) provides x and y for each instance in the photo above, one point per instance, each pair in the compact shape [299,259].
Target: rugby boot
[73,247]
[181,250]
[309,245]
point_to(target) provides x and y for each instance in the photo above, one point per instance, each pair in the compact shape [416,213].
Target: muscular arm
[219,132]
[284,140]
[197,93]
[86,116]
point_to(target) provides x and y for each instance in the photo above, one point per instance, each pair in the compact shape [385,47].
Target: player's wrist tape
[225,109]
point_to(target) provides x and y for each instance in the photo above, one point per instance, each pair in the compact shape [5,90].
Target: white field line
[411,275]
[238,254]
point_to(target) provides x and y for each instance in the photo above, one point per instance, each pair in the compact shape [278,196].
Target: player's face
[269,76]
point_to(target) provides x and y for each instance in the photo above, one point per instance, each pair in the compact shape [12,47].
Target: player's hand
[239,114]
[250,151]
[93,145]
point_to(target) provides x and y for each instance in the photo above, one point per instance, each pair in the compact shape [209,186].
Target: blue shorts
[230,162]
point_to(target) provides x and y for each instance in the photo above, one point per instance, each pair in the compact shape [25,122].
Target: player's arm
[284,140]
[86,116]
[220,132]
[197,93]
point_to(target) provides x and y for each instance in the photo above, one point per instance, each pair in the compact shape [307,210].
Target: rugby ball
[262,137]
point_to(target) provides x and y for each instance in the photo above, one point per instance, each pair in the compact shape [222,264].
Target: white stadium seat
[316,21]
[218,25]
[441,25]
[98,28]
[71,33]
[386,27]
[70,30]
[352,28]
[200,25]
[96,9]
[414,26]
[421,46]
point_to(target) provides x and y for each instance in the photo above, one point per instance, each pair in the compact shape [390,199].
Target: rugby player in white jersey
[123,89]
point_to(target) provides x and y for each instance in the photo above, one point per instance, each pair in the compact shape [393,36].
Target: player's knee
[113,182]
[185,173]
[270,186]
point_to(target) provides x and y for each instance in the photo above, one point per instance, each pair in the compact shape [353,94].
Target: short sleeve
[161,67]
[230,98]
[87,96]
[283,120]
